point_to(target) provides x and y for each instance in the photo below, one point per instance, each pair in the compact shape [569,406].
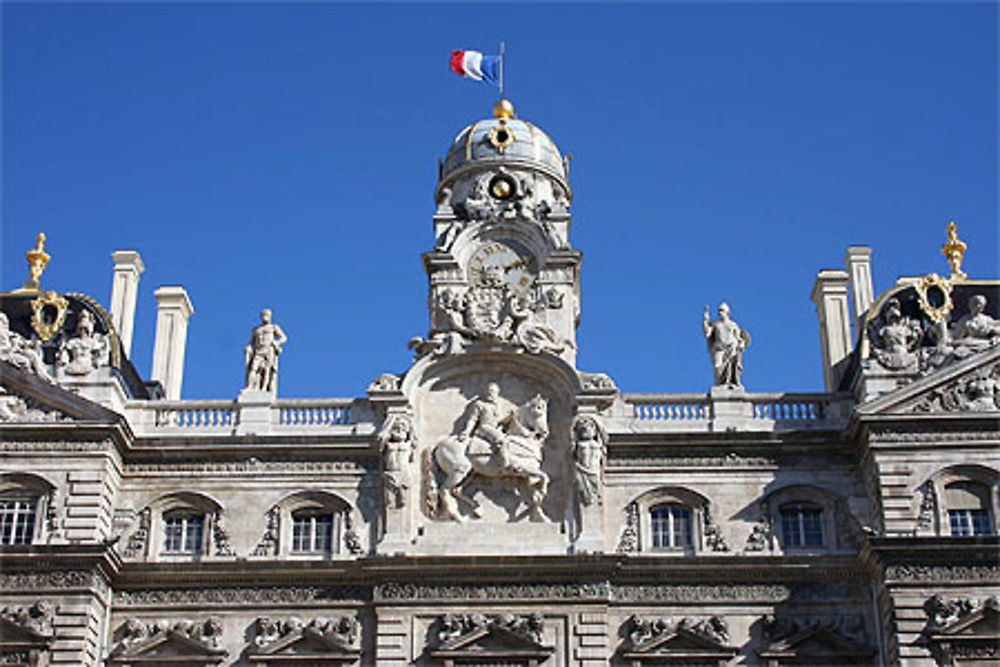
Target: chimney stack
[173,308]
[858,262]
[830,296]
[124,289]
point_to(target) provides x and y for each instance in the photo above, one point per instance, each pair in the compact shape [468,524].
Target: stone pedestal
[591,538]
[254,411]
[731,409]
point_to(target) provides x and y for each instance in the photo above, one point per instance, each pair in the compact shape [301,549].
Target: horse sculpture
[518,456]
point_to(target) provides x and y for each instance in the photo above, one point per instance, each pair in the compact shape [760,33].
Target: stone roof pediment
[969,386]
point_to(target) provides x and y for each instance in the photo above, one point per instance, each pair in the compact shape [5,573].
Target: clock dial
[495,264]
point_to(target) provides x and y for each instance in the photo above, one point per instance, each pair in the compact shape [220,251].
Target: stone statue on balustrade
[896,339]
[265,345]
[589,447]
[726,343]
[23,354]
[974,332]
[397,442]
[86,352]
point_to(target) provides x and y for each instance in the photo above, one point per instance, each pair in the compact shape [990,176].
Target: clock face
[497,264]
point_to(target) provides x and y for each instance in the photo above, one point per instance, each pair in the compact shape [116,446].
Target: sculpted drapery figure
[19,352]
[726,343]
[897,338]
[262,354]
[88,351]
[976,331]
[397,443]
[973,333]
[589,442]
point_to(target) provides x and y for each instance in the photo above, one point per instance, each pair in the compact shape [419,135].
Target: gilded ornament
[934,296]
[37,260]
[48,313]
[501,136]
[503,109]
[953,250]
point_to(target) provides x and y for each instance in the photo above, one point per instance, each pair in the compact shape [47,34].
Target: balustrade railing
[670,407]
[195,415]
[304,413]
[790,407]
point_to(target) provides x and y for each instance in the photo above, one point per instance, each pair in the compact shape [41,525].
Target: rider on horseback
[484,418]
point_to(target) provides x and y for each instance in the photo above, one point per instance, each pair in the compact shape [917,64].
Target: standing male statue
[726,343]
[262,354]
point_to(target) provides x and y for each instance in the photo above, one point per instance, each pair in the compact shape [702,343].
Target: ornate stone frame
[937,482]
[693,501]
[326,501]
[834,516]
[194,502]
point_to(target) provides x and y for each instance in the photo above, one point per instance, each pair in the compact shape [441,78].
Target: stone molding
[229,595]
[943,573]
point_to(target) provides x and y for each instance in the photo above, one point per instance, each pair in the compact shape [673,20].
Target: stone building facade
[494,504]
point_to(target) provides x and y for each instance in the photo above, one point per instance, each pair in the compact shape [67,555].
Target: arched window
[801,525]
[26,504]
[670,527]
[968,508]
[313,531]
[960,501]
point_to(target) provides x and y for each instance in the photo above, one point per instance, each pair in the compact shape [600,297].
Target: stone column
[858,262]
[173,308]
[124,288]
[830,296]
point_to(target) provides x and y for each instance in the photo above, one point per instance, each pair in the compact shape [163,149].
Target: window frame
[18,514]
[186,518]
[674,514]
[313,515]
[800,510]
[42,493]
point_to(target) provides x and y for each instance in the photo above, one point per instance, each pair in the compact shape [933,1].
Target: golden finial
[37,259]
[503,109]
[953,251]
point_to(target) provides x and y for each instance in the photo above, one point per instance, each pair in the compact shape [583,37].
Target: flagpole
[501,69]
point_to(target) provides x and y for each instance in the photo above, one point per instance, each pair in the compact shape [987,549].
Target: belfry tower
[491,405]
[502,273]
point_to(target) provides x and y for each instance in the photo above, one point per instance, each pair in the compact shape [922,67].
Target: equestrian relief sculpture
[495,440]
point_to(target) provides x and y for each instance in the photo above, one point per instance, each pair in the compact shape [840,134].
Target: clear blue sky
[284,156]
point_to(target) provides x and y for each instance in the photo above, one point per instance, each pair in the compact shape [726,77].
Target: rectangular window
[802,527]
[17,520]
[182,534]
[969,522]
[670,527]
[312,532]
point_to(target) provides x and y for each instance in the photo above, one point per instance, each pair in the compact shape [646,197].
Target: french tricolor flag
[475,65]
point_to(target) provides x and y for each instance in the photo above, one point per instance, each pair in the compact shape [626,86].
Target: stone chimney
[830,296]
[124,289]
[858,262]
[173,308]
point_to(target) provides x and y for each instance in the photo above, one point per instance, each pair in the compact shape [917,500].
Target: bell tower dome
[502,273]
